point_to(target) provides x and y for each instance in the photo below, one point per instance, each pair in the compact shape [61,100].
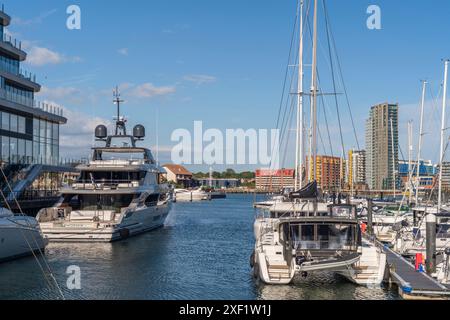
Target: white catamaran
[119,193]
[304,233]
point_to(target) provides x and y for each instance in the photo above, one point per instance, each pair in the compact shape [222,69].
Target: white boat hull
[371,267]
[138,222]
[191,196]
[18,240]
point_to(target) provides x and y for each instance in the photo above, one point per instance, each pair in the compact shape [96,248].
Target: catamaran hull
[17,242]
[136,223]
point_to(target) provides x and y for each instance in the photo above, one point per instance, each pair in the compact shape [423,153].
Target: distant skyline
[223,63]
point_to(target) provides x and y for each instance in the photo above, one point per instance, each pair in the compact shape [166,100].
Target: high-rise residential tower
[356,168]
[382,146]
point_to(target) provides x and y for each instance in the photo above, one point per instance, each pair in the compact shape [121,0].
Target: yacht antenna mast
[120,121]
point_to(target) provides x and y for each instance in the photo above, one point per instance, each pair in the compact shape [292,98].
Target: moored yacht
[119,193]
[300,237]
[191,195]
[20,236]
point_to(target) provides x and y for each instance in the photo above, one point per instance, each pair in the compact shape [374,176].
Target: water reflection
[202,253]
[323,286]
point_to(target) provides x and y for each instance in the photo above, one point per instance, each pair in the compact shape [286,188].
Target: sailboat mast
[299,145]
[441,154]
[410,149]
[422,106]
[393,159]
[314,95]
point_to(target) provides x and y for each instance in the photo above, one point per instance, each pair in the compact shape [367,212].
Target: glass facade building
[29,131]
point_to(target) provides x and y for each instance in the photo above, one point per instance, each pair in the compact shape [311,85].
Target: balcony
[30,102]
[5,19]
[12,47]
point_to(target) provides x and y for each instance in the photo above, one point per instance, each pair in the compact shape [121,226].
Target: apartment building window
[5,121]
[45,141]
[9,65]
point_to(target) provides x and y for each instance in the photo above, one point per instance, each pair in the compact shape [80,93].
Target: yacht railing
[118,162]
[105,184]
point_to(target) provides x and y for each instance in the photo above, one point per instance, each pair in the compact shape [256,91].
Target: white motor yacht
[19,236]
[119,193]
[184,195]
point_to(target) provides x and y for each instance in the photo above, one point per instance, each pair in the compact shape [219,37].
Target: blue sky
[223,62]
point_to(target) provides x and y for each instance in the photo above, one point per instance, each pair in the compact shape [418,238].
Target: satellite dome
[101,132]
[139,131]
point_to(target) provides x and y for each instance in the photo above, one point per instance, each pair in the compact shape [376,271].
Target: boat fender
[300,260]
[252,259]
[256,271]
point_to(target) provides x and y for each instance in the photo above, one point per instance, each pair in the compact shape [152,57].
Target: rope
[34,239]
[334,80]
[342,79]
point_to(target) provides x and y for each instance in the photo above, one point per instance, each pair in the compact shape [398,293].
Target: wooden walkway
[411,283]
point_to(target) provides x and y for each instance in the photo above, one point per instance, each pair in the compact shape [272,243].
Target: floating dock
[413,285]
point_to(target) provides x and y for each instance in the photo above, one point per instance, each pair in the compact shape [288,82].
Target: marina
[110,198]
[193,257]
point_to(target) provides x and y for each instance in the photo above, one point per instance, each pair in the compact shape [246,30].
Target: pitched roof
[177,169]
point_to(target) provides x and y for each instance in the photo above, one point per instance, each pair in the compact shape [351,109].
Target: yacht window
[307,233]
[121,142]
[105,202]
[118,176]
[152,200]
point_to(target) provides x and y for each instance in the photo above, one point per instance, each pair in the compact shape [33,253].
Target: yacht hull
[137,222]
[191,196]
[17,241]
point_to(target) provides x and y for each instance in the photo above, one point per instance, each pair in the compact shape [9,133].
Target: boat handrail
[106,183]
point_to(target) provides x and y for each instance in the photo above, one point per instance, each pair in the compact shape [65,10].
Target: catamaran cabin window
[324,236]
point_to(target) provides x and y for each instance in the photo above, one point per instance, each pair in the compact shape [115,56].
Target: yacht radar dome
[139,131]
[101,132]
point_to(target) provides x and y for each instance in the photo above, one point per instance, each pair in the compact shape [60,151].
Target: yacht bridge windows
[113,178]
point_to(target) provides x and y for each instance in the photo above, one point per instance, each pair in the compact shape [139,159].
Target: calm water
[202,253]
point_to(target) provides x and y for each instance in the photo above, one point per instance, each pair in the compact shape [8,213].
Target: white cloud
[36,20]
[123,51]
[77,136]
[148,90]
[200,79]
[73,96]
[40,56]
[59,93]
